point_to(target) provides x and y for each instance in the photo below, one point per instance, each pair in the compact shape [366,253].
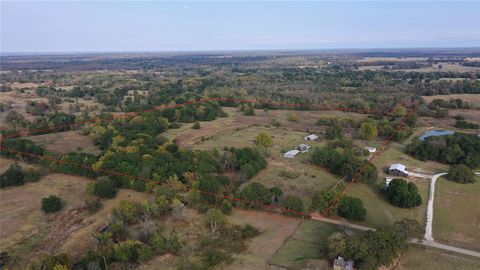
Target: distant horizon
[86,27]
[372,49]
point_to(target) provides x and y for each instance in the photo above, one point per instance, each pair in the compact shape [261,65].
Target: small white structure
[291,154]
[303,148]
[398,170]
[311,137]
[370,149]
[388,180]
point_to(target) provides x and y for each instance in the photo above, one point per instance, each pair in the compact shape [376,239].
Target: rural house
[398,169]
[311,137]
[291,154]
[370,149]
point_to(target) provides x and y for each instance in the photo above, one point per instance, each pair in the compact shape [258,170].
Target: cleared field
[456,218]
[303,250]
[474,99]
[380,212]
[445,68]
[427,259]
[64,142]
[393,59]
[222,128]
[275,230]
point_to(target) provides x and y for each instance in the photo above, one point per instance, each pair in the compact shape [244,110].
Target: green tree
[334,131]
[51,204]
[460,174]
[256,195]
[352,208]
[215,220]
[105,187]
[403,194]
[368,131]
[13,176]
[264,140]
[293,206]
[196,125]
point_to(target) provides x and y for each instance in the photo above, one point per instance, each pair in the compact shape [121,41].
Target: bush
[352,208]
[249,231]
[461,174]
[139,185]
[293,206]
[13,176]
[196,125]
[105,188]
[51,204]
[403,194]
[93,205]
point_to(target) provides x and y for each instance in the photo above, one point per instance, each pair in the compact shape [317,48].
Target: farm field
[275,230]
[379,210]
[451,225]
[473,99]
[425,259]
[304,249]
[64,142]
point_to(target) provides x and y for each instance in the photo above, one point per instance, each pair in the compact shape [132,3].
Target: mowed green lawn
[305,246]
[380,212]
[457,214]
[419,258]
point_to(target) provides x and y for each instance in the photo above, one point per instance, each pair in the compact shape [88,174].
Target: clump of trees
[466,125]
[263,140]
[372,249]
[368,131]
[15,175]
[402,193]
[51,204]
[345,163]
[104,187]
[458,148]
[461,174]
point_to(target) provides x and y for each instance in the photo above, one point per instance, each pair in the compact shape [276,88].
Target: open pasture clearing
[422,258]
[64,142]
[304,249]
[379,210]
[456,218]
[473,99]
[221,128]
[275,230]
[470,115]
[392,59]
[446,67]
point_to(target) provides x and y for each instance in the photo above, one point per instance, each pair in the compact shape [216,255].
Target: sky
[71,26]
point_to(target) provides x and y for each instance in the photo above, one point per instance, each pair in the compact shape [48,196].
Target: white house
[388,180]
[371,149]
[311,137]
[291,154]
[398,170]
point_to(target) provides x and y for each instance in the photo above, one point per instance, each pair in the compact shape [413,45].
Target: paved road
[428,227]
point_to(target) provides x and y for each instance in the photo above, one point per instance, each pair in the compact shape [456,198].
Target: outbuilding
[291,154]
[398,169]
[311,137]
[303,148]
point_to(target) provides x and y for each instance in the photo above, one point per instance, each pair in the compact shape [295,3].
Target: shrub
[139,185]
[352,208]
[249,231]
[13,176]
[51,204]
[93,205]
[196,125]
[461,174]
[293,206]
[105,188]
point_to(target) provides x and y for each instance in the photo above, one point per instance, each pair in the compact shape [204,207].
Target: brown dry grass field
[474,99]
[64,142]
[25,229]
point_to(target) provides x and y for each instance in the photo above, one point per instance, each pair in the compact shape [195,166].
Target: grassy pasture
[64,142]
[456,218]
[421,258]
[303,250]
[380,212]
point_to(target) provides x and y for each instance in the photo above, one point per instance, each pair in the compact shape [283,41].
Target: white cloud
[217,37]
[186,7]
[235,36]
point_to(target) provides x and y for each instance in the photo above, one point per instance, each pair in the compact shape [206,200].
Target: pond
[436,133]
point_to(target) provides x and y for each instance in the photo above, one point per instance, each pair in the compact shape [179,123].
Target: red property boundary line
[272,207]
[162,107]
